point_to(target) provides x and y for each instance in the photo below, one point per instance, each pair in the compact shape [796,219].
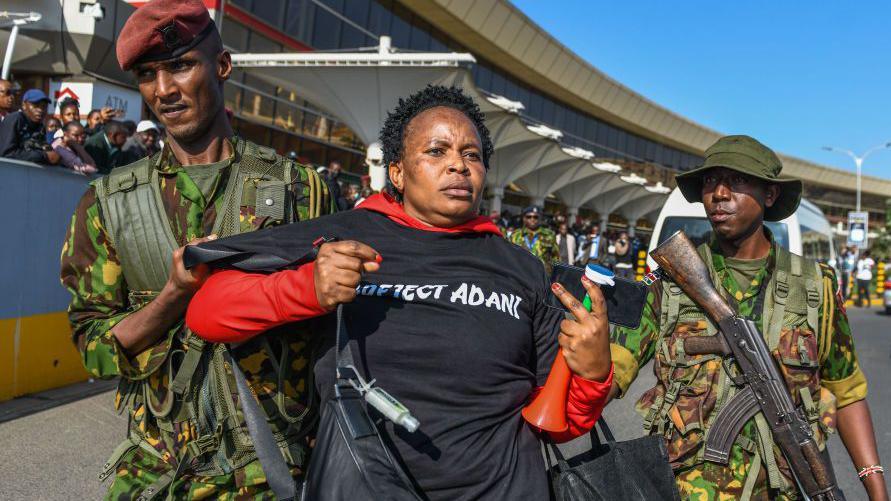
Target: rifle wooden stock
[706,345]
[679,258]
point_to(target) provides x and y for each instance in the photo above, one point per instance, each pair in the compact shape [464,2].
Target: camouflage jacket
[826,368]
[541,242]
[91,271]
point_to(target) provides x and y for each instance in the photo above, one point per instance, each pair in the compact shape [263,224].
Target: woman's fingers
[569,301]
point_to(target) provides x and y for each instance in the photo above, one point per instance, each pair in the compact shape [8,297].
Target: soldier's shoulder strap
[797,287]
[277,175]
[126,178]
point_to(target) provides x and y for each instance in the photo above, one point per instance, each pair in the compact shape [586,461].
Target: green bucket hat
[745,154]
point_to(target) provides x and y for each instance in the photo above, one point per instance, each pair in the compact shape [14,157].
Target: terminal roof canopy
[360,88]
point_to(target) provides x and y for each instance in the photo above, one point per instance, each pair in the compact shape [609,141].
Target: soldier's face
[441,173]
[186,93]
[531,221]
[735,202]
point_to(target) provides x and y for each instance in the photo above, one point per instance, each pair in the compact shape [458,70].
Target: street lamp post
[858,161]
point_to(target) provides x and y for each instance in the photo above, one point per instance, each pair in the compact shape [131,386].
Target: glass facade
[278,117]
[313,23]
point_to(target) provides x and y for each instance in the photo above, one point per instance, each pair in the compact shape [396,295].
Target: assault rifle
[763,387]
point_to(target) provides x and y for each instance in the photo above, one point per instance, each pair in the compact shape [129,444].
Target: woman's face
[441,174]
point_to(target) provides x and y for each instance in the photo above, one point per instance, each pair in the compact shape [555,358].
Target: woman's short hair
[392,135]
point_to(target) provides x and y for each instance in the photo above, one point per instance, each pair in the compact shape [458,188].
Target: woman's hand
[585,338]
[338,270]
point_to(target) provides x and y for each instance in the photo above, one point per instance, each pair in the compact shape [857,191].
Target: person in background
[130,125]
[144,143]
[7,98]
[22,134]
[331,176]
[537,239]
[97,119]
[105,148]
[624,257]
[52,125]
[365,182]
[594,247]
[363,195]
[69,110]
[566,244]
[70,147]
[864,277]
[846,265]
[94,122]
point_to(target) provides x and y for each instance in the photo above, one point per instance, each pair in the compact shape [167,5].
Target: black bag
[350,459]
[634,470]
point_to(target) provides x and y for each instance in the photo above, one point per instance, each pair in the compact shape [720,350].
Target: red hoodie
[234,306]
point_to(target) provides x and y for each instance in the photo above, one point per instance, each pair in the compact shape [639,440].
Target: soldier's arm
[106,329]
[633,348]
[841,375]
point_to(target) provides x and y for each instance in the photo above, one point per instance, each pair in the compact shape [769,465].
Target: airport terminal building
[317,77]
[513,58]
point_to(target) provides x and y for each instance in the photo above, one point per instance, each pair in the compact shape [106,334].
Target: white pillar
[604,221]
[538,201]
[572,213]
[630,229]
[497,197]
[374,159]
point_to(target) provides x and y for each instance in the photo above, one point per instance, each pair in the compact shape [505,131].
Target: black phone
[624,301]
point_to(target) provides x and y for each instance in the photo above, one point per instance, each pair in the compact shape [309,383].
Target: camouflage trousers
[716,482]
[139,471]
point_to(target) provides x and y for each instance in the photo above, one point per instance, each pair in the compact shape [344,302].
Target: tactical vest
[692,389]
[201,390]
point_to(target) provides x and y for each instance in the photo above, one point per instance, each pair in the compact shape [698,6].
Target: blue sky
[797,75]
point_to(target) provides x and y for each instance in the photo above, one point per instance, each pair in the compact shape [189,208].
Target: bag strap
[278,475]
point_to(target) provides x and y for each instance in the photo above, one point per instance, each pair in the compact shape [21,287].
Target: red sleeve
[235,305]
[584,403]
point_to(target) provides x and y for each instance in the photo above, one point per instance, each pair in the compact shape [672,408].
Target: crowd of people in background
[553,238]
[97,145]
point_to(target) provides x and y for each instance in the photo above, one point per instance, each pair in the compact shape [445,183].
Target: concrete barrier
[36,351]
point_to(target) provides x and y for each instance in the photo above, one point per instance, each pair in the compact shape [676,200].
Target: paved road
[56,453]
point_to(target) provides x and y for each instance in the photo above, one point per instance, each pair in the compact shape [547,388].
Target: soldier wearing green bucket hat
[795,303]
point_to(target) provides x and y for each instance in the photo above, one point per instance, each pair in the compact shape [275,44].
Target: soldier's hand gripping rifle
[764,388]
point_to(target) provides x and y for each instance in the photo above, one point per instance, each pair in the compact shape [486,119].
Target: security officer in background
[122,262]
[537,239]
[796,304]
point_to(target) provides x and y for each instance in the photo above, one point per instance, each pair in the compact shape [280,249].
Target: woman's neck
[434,220]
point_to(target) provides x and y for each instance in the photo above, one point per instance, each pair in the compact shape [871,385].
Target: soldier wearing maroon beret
[122,263]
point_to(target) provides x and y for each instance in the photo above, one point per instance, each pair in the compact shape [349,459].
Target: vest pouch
[799,360]
[690,394]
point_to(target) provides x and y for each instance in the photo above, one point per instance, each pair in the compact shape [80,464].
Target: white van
[806,232]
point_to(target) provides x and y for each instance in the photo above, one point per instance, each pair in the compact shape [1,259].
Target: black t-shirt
[454,326]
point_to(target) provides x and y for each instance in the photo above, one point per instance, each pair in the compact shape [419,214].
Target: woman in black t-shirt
[448,316]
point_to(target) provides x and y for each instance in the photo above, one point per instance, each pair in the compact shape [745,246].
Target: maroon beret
[162,29]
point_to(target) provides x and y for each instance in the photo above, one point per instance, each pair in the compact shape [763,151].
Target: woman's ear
[397,175]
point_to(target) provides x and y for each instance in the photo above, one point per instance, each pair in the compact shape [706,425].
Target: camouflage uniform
[542,242]
[92,272]
[820,369]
